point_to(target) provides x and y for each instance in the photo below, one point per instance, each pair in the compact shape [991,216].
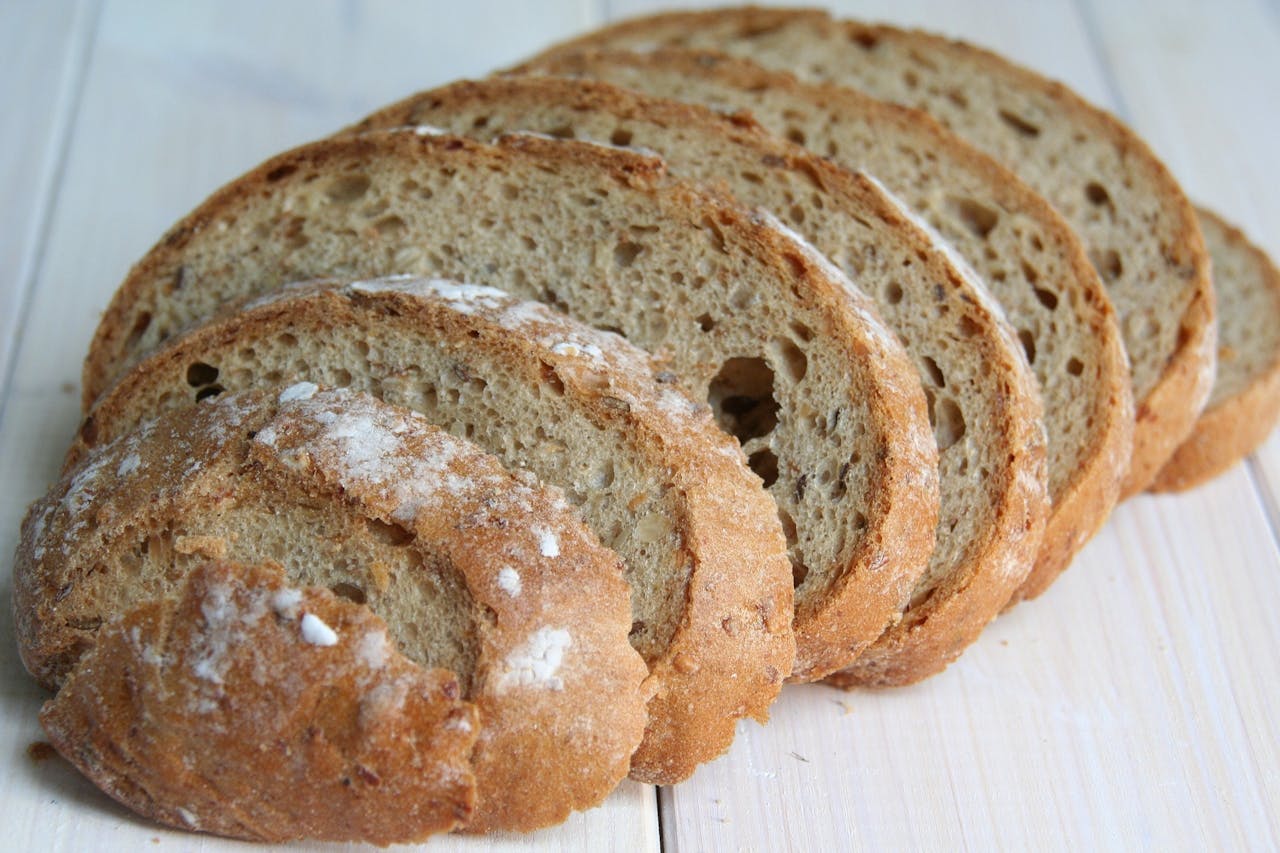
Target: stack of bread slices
[529,433]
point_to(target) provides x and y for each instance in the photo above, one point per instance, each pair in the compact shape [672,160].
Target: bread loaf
[982,395]
[581,409]
[793,360]
[1140,230]
[473,570]
[1027,256]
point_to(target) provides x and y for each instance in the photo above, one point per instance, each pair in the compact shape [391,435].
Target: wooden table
[1134,706]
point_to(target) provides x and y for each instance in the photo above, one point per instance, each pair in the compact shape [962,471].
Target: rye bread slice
[982,395]
[1141,232]
[371,501]
[652,474]
[1245,403]
[791,357]
[1027,256]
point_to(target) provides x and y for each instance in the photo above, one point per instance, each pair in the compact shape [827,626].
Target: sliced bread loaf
[1245,403]
[791,357]
[372,502]
[142,716]
[1027,256]
[650,471]
[982,395]
[1140,230]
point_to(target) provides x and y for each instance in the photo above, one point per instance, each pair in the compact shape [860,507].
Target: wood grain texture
[1133,706]
[45,49]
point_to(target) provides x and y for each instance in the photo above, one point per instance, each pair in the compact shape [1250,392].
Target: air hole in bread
[1028,344]
[1097,194]
[564,131]
[957,97]
[706,322]
[933,372]
[200,374]
[621,136]
[977,217]
[140,324]
[1074,366]
[341,377]
[551,380]
[210,391]
[790,359]
[1019,124]
[948,421]
[803,332]
[345,189]
[796,135]
[1047,298]
[765,464]
[390,226]
[751,177]
[1107,263]
[510,192]
[349,591]
[910,79]
[893,293]
[626,252]
[741,397]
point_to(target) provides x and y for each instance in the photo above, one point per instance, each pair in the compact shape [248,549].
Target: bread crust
[880,383]
[712,148]
[1167,410]
[1232,428]
[730,543]
[309,753]
[1088,484]
[535,662]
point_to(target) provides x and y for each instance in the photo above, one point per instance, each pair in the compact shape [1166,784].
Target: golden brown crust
[1085,485]
[535,663]
[1232,428]
[1166,410]
[879,383]
[170,715]
[732,548]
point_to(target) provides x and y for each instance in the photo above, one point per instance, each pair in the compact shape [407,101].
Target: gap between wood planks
[84,37]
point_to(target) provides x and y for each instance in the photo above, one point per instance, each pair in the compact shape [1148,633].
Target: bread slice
[1027,256]
[371,501]
[1140,230]
[653,475]
[792,358]
[1245,403]
[137,716]
[982,395]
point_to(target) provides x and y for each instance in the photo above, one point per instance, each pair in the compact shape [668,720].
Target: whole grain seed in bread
[650,471]
[789,354]
[1140,230]
[344,740]
[1245,403]
[1027,256]
[371,501]
[982,394]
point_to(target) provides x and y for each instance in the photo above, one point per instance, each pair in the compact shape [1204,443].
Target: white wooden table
[1136,705]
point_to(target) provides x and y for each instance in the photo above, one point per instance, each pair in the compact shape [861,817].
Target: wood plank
[179,98]
[1201,79]
[45,48]
[1123,709]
